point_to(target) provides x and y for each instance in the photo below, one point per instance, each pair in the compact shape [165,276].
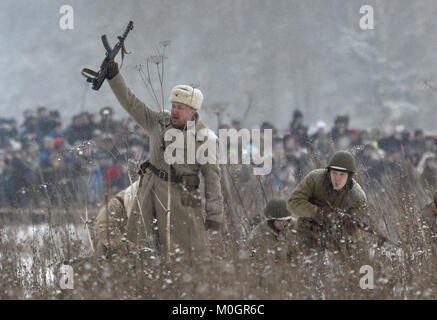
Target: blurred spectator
[45,123]
[96,157]
[370,161]
[8,131]
[80,130]
[302,137]
[56,131]
[355,139]
[47,149]
[236,124]
[391,143]
[107,123]
[267,125]
[320,131]
[322,147]
[29,129]
[296,121]
[340,132]
[418,144]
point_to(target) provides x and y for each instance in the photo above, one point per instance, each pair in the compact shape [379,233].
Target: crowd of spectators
[44,163]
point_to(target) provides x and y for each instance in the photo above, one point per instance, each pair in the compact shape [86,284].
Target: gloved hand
[213,225]
[112,68]
[326,215]
[324,212]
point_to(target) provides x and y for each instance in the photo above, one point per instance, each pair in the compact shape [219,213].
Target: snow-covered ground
[40,249]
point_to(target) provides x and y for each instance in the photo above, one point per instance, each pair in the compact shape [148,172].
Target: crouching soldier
[110,224]
[319,199]
[168,215]
[268,241]
[269,246]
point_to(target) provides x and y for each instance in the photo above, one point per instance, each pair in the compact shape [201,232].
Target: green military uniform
[270,248]
[266,243]
[317,186]
[147,224]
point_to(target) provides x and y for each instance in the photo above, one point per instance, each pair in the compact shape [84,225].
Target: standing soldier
[147,223]
[317,198]
[268,240]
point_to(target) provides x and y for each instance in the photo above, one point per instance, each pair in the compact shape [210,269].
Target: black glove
[112,68]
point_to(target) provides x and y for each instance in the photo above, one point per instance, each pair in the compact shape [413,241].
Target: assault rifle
[97,78]
[363,226]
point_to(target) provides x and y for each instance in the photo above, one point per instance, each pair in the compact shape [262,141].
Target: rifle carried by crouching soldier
[350,221]
[97,78]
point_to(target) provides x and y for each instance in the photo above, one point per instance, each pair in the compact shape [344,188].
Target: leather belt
[163,175]
[190,181]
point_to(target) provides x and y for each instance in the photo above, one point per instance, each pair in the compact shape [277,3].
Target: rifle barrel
[362,225]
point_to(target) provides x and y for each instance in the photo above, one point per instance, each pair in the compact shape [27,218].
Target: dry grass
[32,252]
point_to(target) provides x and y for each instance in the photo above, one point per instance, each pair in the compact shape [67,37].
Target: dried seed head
[156,59]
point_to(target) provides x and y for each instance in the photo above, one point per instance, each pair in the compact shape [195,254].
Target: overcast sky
[280,55]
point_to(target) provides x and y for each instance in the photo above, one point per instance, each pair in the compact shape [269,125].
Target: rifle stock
[106,45]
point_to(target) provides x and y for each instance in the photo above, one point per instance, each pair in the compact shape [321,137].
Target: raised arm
[142,114]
